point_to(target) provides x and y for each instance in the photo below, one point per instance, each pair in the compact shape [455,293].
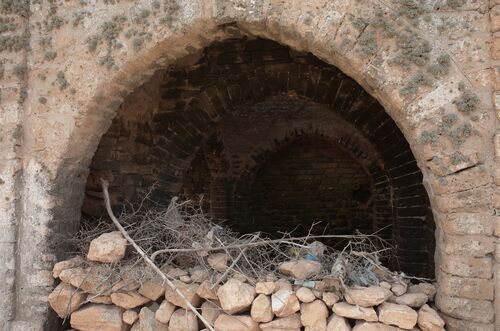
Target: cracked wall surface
[66,67]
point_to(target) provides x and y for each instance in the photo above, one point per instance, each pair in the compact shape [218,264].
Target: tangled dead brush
[182,235]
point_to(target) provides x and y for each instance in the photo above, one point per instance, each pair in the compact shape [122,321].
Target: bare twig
[146,258]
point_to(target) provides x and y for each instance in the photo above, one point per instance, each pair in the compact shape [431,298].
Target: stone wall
[84,58]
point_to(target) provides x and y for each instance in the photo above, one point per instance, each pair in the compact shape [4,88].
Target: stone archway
[444,118]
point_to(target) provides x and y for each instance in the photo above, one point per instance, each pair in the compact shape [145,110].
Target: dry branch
[146,258]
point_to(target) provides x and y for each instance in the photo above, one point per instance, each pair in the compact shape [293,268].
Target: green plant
[454,4]
[42,100]
[460,134]
[108,61]
[17,7]
[92,43]
[411,9]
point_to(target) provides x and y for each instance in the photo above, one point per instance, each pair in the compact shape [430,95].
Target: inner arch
[189,129]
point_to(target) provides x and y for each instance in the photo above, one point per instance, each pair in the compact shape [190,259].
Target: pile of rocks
[239,304]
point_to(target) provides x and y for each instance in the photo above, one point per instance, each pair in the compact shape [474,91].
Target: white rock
[429,319]
[289,323]
[355,312]
[398,315]
[183,320]
[189,292]
[367,296]
[67,264]
[108,247]
[130,316]
[98,317]
[314,315]
[65,299]
[330,298]
[415,300]
[261,310]
[337,323]
[218,261]
[266,288]
[128,300]
[235,323]
[300,269]
[305,295]
[165,311]
[284,303]
[235,296]
[210,311]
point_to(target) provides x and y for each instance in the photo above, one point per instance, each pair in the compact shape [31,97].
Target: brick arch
[54,163]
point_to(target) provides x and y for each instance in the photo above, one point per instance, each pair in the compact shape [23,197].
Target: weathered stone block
[469,288]
[481,311]
[465,266]
[472,245]
[468,223]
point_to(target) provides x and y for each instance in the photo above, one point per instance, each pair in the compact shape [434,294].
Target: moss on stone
[62,81]
[419,79]
[50,55]
[412,50]
[455,4]
[14,43]
[467,102]
[108,61]
[412,9]
[459,135]
[441,67]
[368,43]
[16,7]
[428,137]
[92,43]
[42,100]
[20,70]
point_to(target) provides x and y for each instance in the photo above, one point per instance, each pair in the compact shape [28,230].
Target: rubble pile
[300,295]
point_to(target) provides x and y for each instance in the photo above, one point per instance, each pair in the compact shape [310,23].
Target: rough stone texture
[187,290]
[337,323]
[55,111]
[100,317]
[235,323]
[65,299]
[291,323]
[152,290]
[266,288]
[108,248]
[346,310]
[305,295]
[415,300]
[128,300]
[284,303]
[130,316]
[314,315]
[235,296]
[301,269]
[429,319]
[210,311]
[367,296]
[165,311]
[261,310]
[66,264]
[183,320]
[398,315]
